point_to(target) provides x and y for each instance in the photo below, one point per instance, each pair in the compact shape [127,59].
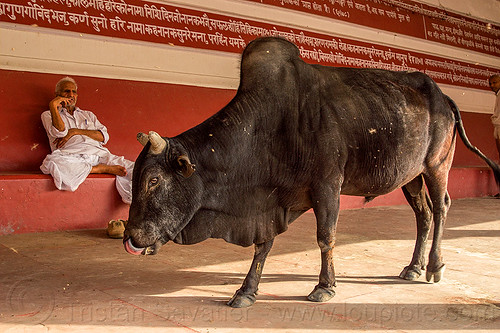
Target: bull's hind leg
[420,203]
[245,296]
[326,209]
[441,203]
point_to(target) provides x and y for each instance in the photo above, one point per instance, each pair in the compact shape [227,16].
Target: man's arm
[54,104]
[93,134]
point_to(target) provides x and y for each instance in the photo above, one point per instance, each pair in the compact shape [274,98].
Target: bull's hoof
[410,273]
[241,300]
[321,294]
[437,275]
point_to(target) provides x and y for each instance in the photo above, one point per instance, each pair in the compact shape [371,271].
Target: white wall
[44,50]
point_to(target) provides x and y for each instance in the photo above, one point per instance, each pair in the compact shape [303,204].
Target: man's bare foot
[111,169]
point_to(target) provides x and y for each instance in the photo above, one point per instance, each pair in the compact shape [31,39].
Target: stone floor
[82,281]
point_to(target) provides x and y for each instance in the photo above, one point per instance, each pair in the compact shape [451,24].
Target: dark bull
[295,137]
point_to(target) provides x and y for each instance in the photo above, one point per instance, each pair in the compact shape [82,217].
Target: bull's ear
[142,138]
[186,167]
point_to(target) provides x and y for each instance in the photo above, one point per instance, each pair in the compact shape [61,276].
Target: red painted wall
[125,107]
[479,130]
[129,107]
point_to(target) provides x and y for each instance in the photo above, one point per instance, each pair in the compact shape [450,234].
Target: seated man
[77,140]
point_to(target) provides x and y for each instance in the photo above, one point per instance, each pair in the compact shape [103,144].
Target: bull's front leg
[326,211]
[245,296]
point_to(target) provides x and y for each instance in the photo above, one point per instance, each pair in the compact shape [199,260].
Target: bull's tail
[461,131]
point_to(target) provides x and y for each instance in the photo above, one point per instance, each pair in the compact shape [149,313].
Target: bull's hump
[264,58]
[279,48]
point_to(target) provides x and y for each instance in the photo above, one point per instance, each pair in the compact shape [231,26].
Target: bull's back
[387,125]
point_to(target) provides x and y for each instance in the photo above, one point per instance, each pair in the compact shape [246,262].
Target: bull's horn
[157,143]
[142,138]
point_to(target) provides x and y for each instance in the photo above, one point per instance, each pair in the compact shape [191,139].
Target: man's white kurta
[495,118]
[71,164]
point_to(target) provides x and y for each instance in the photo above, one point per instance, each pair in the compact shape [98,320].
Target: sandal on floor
[116,228]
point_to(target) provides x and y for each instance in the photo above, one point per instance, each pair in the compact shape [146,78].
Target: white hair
[62,81]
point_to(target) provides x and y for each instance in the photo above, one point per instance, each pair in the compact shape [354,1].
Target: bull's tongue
[130,248]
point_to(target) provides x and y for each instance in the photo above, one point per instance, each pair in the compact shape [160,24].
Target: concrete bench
[30,202]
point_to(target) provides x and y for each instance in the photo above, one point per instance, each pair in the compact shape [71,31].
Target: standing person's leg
[496,135]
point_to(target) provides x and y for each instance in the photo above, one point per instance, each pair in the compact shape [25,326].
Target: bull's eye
[153,182]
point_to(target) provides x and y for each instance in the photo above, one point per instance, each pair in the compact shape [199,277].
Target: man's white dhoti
[70,170]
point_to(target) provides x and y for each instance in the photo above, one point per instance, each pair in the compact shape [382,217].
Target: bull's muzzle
[130,248]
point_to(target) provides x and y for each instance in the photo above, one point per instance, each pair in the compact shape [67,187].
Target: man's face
[495,83]
[68,90]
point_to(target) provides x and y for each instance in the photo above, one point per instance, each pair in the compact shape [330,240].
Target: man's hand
[61,101]
[54,104]
[60,142]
